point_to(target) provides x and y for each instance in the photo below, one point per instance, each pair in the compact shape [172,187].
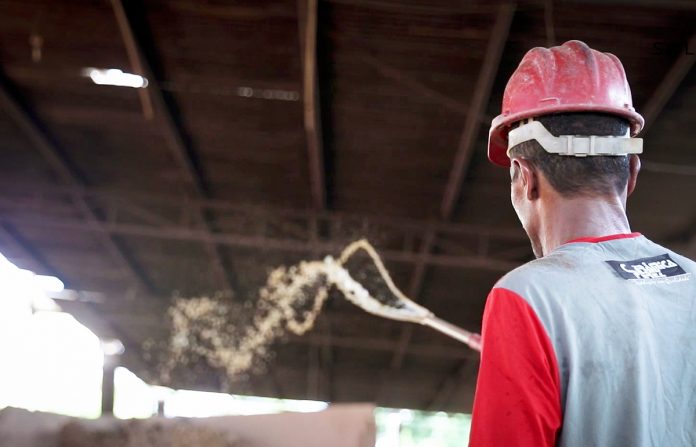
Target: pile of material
[338,426]
[144,433]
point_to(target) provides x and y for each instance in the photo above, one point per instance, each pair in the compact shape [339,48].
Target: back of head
[579,176]
[568,110]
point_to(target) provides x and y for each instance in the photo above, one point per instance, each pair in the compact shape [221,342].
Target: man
[594,342]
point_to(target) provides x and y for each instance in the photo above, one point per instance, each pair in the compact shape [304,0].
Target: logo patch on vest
[647,270]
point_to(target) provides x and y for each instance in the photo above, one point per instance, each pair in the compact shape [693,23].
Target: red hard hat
[567,78]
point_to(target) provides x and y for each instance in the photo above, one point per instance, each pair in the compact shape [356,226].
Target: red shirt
[518,392]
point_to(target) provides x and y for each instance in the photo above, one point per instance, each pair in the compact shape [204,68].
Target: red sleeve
[518,398]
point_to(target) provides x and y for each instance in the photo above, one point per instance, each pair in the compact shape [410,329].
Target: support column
[108,387]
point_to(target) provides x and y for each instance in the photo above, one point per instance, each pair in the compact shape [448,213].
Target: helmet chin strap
[574,145]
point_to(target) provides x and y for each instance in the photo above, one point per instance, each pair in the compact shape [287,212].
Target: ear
[529,178]
[634,169]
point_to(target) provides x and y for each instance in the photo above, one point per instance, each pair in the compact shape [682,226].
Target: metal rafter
[172,132]
[67,173]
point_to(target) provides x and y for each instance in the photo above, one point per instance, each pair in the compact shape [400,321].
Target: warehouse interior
[274,131]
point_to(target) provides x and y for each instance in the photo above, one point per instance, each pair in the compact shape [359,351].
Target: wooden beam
[59,162]
[172,132]
[477,107]
[308,24]
[669,84]
[108,385]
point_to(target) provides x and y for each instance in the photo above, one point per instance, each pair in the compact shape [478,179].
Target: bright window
[50,362]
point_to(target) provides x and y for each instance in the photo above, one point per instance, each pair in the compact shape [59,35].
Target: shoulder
[546,285]
[540,273]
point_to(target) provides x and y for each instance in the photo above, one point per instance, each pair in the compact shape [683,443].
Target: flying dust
[290,302]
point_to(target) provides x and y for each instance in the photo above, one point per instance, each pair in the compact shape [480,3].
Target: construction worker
[594,342]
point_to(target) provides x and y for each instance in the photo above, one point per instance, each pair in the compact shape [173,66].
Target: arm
[517,398]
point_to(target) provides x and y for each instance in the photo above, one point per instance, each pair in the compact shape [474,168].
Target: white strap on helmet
[577,146]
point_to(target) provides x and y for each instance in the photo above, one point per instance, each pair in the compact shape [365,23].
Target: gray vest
[621,316]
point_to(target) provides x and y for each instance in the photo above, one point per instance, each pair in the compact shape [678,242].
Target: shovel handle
[470,339]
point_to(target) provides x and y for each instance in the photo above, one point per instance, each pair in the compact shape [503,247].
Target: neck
[567,219]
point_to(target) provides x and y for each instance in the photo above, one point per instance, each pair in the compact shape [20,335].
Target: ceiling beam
[477,107]
[59,162]
[669,84]
[308,25]
[171,130]
[282,244]
[15,194]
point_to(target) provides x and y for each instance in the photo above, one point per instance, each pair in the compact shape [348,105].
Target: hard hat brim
[500,126]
